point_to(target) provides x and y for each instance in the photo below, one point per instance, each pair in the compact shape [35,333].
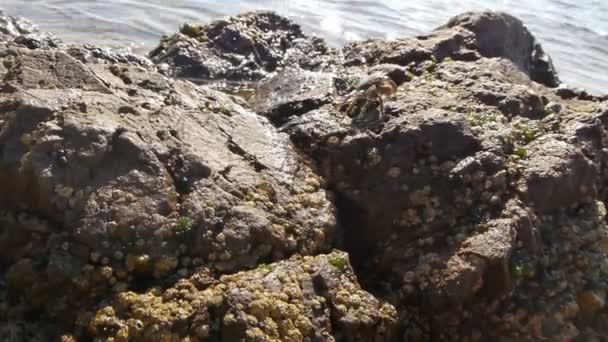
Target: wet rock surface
[465,192]
[241,48]
[118,177]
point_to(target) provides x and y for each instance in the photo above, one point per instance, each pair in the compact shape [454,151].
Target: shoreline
[574,70]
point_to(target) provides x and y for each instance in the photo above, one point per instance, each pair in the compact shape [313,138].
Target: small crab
[372,89]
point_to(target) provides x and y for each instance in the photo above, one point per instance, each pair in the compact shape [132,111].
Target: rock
[466,37]
[136,206]
[556,175]
[371,52]
[297,299]
[122,158]
[22,32]
[17,330]
[502,35]
[480,265]
[292,92]
[426,199]
[245,47]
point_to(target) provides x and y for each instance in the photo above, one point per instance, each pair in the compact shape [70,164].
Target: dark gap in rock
[353,237]
[183,171]
[143,283]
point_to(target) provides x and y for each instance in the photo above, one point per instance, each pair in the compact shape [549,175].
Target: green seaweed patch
[429,75]
[531,132]
[266,268]
[526,132]
[479,119]
[191,30]
[520,266]
[26,139]
[183,225]
[521,152]
[339,262]
[433,66]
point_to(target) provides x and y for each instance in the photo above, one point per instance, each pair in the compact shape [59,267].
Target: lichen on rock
[298,299]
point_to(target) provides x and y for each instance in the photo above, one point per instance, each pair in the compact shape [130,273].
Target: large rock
[556,175]
[468,36]
[502,35]
[473,204]
[301,299]
[440,204]
[245,47]
[22,32]
[137,178]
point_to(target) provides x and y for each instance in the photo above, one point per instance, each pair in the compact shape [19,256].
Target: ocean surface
[573,32]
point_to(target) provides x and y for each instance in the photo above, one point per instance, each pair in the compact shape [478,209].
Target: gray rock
[245,47]
[466,37]
[468,206]
[121,158]
[292,92]
[502,35]
[557,175]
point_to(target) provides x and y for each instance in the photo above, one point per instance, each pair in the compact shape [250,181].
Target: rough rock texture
[310,298]
[467,199]
[245,47]
[501,35]
[467,37]
[142,207]
[115,176]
